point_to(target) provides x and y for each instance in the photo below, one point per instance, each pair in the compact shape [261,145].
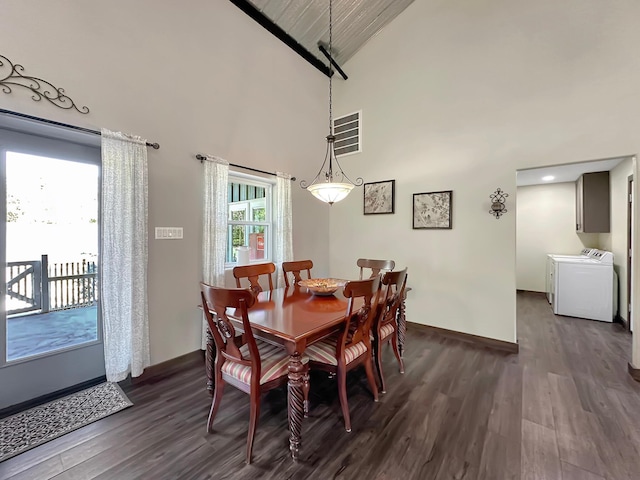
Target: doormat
[38,425]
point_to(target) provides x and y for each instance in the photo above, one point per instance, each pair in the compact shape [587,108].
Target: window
[249,203]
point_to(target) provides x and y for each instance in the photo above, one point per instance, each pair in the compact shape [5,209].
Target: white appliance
[583,286]
[550,284]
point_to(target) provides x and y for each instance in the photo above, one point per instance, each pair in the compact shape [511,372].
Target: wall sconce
[497,203]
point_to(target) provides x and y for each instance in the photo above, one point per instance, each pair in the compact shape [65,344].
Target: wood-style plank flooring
[564,408]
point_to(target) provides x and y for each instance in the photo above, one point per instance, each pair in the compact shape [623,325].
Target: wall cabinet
[592,203]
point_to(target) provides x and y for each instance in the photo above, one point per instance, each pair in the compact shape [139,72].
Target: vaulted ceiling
[306,23]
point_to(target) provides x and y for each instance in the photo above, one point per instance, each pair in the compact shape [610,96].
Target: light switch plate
[169,233]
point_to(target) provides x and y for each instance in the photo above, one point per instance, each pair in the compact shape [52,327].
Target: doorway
[549,220]
[50,329]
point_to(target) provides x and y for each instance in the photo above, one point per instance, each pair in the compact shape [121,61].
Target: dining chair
[253,273]
[376,266]
[351,346]
[385,328]
[250,365]
[296,268]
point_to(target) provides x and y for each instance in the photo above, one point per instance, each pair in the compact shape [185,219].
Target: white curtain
[283,224]
[124,255]
[214,235]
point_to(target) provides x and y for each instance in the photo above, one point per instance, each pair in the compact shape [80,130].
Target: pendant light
[331,185]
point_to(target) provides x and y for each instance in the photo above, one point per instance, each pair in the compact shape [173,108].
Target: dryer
[550,283]
[584,287]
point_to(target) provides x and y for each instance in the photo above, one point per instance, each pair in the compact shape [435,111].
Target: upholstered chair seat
[275,363]
[325,351]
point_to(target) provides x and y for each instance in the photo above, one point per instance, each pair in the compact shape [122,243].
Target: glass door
[51,332]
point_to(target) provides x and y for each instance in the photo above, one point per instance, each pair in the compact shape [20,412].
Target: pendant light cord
[330,138]
[330,68]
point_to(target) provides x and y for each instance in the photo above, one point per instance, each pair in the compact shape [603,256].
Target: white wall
[198,77]
[459,95]
[546,223]
[616,241]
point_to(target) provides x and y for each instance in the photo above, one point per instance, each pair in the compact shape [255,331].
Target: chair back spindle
[296,268]
[215,302]
[395,283]
[253,274]
[376,266]
[358,324]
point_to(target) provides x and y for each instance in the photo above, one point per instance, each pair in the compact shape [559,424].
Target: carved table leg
[296,401]
[402,326]
[305,391]
[208,361]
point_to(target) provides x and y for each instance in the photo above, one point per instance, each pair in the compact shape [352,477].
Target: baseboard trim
[531,292]
[486,342]
[634,372]
[50,397]
[168,368]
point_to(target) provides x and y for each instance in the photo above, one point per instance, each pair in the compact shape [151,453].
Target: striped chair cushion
[386,330]
[324,351]
[274,361]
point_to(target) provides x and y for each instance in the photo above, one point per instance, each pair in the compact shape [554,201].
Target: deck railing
[36,285]
[24,280]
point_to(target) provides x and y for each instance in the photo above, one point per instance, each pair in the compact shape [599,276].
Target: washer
[584,287]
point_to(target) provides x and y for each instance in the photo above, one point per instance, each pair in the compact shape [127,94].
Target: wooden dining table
[294,318]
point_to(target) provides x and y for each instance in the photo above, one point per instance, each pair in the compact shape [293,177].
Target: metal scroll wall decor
[498,203]
[11,76]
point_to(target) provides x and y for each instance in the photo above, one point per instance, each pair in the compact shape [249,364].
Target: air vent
[348,133]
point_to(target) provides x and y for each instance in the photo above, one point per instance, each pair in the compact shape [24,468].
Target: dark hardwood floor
[564,408]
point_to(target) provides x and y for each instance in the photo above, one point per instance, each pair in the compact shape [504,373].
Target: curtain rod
[65,125]
[202,158]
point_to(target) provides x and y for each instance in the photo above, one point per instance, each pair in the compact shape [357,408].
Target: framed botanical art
[432,210]
[379,197]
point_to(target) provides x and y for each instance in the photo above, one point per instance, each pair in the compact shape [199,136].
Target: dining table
[294,318]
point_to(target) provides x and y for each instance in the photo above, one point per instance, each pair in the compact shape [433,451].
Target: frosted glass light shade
[330,192]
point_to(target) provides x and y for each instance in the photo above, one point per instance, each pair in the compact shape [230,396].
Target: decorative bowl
[322,286]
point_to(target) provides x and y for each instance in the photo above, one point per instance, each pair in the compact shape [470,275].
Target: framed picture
[379,197]
[432,210]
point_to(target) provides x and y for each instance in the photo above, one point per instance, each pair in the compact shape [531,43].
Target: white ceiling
[564,173]
[354,22]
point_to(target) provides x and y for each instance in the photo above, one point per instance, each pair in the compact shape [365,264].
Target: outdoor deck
[33,334]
